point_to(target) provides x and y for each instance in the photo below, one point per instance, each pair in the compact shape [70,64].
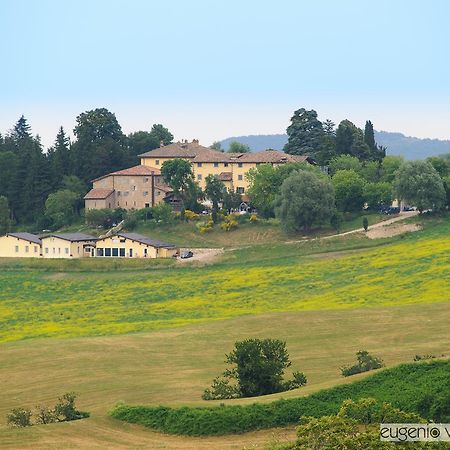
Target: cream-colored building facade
[231,168]
[20,245]
[133,245]
[68,245]
[133,188]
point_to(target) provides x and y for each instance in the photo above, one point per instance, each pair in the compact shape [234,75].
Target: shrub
[19,417]
[65,409]
[365,363]
[423,357]
[365,223]
[191,215]
[230,223]
[45,415]
[259,368]
[221,389]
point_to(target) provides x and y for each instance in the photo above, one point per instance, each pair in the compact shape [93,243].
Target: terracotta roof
[273,156]
[98,194]
[73,237]
[189,150]
[163,187]
[135,170]
[26,237]
[145,240]
[225,176]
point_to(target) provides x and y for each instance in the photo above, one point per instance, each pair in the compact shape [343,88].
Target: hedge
[405,387]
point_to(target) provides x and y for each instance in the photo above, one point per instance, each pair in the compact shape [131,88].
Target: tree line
[29,174]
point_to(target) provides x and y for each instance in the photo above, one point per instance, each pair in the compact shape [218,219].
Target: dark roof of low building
[74,237]
[225,176]
[98,194]
[27,237]
[146,240]
[139,170]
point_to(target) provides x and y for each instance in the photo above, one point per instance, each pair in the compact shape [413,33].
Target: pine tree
[59,158]
[305,133]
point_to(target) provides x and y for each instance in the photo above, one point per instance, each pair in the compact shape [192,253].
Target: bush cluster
[402,386]
[365,363]
[63,411]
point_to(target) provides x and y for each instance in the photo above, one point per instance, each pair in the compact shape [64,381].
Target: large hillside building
[142,186]
[230,167]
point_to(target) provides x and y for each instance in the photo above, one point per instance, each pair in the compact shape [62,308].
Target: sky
[214,69]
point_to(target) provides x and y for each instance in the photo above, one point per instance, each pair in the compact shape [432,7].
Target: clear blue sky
[214,69]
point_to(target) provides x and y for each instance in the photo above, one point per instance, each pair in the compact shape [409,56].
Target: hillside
[396,143]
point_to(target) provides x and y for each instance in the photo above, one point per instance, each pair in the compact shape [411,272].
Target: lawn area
[173,366]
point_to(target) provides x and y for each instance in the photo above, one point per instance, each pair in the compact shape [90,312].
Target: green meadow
[155,334]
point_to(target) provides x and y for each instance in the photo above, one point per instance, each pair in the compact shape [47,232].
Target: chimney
[195,141]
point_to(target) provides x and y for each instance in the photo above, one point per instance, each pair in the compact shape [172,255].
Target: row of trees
[29,174]
[303,196]
[307,135]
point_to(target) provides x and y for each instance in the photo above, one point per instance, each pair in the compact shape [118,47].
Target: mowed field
[70,330]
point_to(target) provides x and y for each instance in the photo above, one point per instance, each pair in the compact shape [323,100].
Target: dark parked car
[185,255]
[392,210]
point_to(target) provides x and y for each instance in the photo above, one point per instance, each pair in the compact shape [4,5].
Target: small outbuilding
[133,245]
[68,245]
[20,245]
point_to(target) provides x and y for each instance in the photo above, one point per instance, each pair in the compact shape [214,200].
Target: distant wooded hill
[396,143]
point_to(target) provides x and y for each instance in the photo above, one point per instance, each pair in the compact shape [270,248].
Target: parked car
[186,254]
[409,208]
[392,210]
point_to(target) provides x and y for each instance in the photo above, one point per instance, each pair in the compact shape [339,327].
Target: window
[46,250]
[225,164]
[240,190]
[35,249]
[99,252]
[67,251]
[118,193]
[123,241]
[122,252]
[27,248]
[216,164]
[54,250]
[199,164]
[59,250]
[240,177]
[17,249]
[239,164]
[157,162]
[115,252]
[147,205]
[134,188]
[145,180]
[145,253]
[145,193]
[78,250]
[107,252]
[199,176]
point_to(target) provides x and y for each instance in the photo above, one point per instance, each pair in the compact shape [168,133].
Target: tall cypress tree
[369,136]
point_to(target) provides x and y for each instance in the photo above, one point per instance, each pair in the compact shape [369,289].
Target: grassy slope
[174,366]
[413,270]
[404,386]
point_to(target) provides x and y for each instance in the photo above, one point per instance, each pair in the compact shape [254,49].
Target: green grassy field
[327,299]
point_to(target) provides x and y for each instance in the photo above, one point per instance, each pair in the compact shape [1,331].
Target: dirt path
[202,255]
[402,216]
